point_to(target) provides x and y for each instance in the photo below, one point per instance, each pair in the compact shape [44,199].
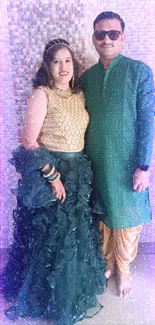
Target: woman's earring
[73,81]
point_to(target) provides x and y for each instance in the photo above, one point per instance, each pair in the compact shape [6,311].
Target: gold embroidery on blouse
[66,121]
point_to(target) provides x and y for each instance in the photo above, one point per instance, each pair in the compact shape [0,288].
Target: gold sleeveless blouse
[65,122]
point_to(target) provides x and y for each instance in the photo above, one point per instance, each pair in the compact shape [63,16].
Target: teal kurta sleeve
[145,113]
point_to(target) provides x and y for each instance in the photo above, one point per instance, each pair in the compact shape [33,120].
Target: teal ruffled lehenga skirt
[55,265]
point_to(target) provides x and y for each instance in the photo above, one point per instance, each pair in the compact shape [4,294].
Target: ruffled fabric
[56,266]
[33,189]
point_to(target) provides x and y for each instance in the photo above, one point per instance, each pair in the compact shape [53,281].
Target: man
[119,95]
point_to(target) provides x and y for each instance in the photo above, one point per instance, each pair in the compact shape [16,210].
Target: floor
[138,309]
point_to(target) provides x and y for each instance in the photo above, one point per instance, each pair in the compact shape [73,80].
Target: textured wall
[25,28]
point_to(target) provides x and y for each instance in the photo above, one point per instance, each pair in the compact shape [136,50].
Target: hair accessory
[58,42]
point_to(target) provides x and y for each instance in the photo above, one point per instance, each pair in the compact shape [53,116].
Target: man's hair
[109,15]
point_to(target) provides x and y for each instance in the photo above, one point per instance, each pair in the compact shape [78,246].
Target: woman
[55,266]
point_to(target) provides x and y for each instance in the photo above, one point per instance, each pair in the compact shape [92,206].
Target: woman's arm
[35,115]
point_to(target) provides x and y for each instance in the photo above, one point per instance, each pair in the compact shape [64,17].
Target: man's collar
[112,63]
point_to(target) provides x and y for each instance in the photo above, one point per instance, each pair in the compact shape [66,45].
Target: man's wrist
[143,167]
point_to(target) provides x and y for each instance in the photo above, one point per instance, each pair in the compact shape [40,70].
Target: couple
[56,265]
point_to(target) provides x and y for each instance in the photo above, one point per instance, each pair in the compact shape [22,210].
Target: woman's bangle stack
[51,174]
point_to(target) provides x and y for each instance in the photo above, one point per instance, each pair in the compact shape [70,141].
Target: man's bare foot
[109,272]
[124,284]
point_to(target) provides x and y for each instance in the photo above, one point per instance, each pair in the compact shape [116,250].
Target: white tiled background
[25,27]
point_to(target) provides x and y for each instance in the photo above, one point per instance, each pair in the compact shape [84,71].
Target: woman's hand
[59,190]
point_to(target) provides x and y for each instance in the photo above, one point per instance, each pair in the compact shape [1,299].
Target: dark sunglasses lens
[99,35]
[113,35]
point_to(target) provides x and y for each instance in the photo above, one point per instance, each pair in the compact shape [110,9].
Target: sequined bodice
[65,122]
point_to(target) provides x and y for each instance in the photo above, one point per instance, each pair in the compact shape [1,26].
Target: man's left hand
[140,180]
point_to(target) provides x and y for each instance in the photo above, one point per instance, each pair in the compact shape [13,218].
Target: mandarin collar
[112,63]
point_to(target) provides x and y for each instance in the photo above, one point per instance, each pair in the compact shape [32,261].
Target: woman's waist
[66,154]
[63,147]
[63,142]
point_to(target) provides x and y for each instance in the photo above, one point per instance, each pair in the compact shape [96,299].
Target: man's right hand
[140,180]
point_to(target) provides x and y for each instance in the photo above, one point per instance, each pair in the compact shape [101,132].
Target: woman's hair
[43,76]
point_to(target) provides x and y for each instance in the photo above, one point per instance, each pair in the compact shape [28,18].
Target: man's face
[108,48]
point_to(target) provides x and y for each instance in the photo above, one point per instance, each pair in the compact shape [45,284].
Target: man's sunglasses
[112,34]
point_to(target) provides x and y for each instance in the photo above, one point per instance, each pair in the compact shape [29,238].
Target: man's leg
[125,250]
[107,237]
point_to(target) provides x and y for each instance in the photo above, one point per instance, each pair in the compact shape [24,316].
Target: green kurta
[120,104]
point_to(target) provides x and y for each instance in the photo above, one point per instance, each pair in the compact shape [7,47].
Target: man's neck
[106,61]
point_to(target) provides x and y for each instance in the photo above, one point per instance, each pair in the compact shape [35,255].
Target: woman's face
[62,68]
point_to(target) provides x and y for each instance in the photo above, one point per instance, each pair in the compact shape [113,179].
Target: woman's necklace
[62,92]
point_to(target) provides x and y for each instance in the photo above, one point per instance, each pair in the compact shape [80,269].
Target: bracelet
[52,177]
[52,180]
[50,173]
[46,171]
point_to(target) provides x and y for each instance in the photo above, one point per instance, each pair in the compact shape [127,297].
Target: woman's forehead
[62,53]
